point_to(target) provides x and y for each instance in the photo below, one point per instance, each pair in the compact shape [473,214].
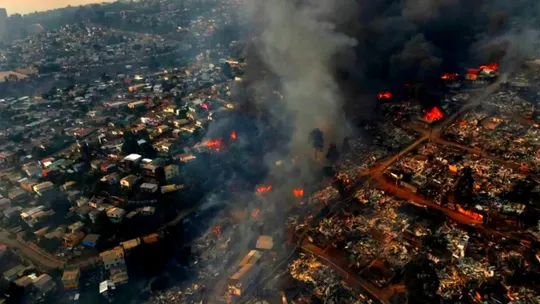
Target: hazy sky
[30,6]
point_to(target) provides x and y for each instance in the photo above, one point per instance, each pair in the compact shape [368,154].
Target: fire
[255,213]
[298,192]
[233,135]
[450,76]
[434,114]
[204,106]
[263,189]
[214,144]
[217,230]
[491,66]
[384,95]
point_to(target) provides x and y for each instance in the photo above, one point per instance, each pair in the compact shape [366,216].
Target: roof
[71,274]
[130,178]
[149,186]
[244,269]
[116,211]
[265,242]
[133,157]
[42,186]
[42,280]
[91,238]
[14,271]
[110,256]
[131,243]
[251,258]
[104,286]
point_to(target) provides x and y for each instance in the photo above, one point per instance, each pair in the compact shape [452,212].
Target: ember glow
[255,213]
[450,76]
[491,66]
[204,106]
[217,230]
[434,114]
[233,135]
[298,192]
[263,189]
[384,95]
[214,144]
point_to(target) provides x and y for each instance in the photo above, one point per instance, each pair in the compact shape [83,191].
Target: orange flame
[233,135]
[434,114]
[214,144]
[298,192]
[263,189]
[217,230]
[450,76]
[255,213]
[491,66]
[384,95]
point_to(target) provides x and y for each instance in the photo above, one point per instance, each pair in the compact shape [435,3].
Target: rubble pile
[326,284]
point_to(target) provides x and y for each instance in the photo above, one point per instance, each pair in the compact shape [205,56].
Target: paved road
[34,255]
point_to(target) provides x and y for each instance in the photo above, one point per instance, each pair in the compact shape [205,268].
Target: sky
[30,6]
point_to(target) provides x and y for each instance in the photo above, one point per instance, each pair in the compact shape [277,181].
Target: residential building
[91,240]
[129,181]
[113,258]
[116,214]
[71,277]
[149,187]
[42,188]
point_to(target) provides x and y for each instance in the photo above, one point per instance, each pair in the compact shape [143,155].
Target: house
[76,227]
[131,161]
[17,194]
[171,171]
[163,128]
[111,179]
[148,210]
[119,275]
[129,181]
[186,158]
[91,240]
[23,281]
[128,245]
[44,283]
[151,238]
[68,185]
[116,214]
[180,123]
[153,171]
[113,258]
[247,271]
[265,242]
[136,104]
[42,188]
[14,273]
[70,278]
[149,187]
[71,240]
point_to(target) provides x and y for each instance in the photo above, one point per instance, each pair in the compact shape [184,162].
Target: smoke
[298,44]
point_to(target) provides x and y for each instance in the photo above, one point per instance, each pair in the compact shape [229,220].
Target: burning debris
[215,144]
[384,95]
[299,192]
[263,189]
[232,136]
[450,76]
[490,67]
[434,114]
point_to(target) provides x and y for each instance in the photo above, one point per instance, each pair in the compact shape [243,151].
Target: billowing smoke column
[299,43]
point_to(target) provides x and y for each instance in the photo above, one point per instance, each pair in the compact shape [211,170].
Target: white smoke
[299,44]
